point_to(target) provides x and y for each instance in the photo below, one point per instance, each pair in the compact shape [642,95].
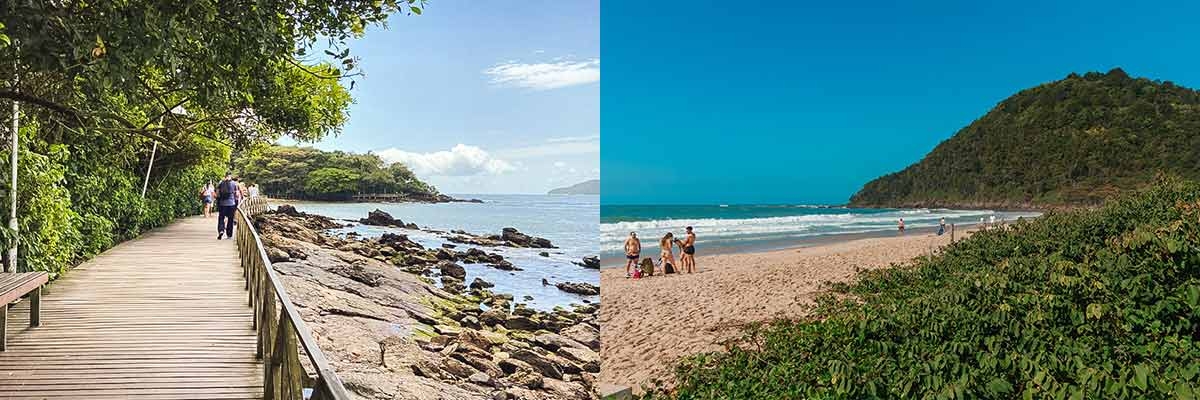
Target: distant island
[585,187]
[1068,143]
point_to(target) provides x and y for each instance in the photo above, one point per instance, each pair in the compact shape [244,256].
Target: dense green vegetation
[99,83]
[1084,304]
[1066,143]
[308,173]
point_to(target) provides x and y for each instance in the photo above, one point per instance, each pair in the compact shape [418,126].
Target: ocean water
[732,228]
[570,222]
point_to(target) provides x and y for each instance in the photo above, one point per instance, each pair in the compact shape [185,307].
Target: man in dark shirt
[227,192]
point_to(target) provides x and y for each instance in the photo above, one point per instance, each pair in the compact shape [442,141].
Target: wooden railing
[281,331]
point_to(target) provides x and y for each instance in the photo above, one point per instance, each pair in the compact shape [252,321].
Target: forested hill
[308,173]
[1072,142]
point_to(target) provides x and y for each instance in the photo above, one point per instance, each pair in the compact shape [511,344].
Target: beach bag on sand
[647,267]
[668,268]
[637,274]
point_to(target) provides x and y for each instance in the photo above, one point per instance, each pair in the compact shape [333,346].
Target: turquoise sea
[569,221]
[733,227]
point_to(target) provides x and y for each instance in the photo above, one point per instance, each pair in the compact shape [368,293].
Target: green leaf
[999,386]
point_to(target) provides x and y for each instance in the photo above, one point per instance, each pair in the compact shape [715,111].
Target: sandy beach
[648,324]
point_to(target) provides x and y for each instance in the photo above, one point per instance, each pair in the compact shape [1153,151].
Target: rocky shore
[392,333]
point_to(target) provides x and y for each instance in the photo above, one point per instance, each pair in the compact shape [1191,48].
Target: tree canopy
[1076,141]
[308,173]
[100,83]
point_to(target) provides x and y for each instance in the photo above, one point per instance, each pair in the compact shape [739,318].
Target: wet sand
[648,324]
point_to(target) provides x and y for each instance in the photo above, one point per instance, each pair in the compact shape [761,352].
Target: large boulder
[583,333]
[546,365]
[493,317]
[522,323]
[380,218]
[449,268]
[479,283]
[586,359]
[288,209]
[581,288]
[592,262]
[512,235]
[397,241]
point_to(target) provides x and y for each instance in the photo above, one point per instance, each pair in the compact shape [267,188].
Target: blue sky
[482,97]
[790,102]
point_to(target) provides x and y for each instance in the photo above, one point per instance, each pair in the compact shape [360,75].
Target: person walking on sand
[941,226]
[227,202]
[687,260]
[633,250]
[206,196]
[901,226]
[665,255]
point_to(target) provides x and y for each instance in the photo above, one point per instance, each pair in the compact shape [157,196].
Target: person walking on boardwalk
[633,250]
[227,201]
[206,195]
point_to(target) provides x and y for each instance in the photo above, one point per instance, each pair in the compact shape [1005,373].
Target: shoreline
[795,243]
[650,323]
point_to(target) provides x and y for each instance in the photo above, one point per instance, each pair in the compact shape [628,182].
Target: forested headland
[1068,143]
[306,173]
[100,84]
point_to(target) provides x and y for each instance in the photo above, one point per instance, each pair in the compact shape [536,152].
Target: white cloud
[462,160]
[559,164]
[544,76]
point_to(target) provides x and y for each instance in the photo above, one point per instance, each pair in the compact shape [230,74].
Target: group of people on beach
[941,226]
[226,194]
[666,257]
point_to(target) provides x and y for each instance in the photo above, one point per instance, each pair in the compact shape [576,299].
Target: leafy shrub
[1083,304]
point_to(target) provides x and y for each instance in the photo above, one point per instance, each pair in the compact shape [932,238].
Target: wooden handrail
[281,331]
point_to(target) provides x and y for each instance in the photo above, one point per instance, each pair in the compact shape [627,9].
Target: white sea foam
[732,231]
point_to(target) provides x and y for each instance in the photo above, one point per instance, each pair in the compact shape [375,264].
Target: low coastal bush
[1074,305]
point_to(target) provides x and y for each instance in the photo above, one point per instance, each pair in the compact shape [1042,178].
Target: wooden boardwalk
[164,316]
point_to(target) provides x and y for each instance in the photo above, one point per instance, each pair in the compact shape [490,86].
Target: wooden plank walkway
[164,316]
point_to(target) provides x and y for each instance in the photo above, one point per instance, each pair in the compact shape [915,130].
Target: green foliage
[99,83]
[332,182]
[242,69]
[81,195]
[1081,305]
[308,173]
[1071,142]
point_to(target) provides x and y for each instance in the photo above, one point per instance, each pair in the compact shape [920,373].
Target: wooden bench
[12,287]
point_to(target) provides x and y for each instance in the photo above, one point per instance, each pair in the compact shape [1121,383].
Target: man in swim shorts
[633,249]
[688,259]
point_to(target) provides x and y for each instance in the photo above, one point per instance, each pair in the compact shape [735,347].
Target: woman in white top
[207,195]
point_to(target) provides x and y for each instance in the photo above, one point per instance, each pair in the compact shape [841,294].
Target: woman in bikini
[666,256]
